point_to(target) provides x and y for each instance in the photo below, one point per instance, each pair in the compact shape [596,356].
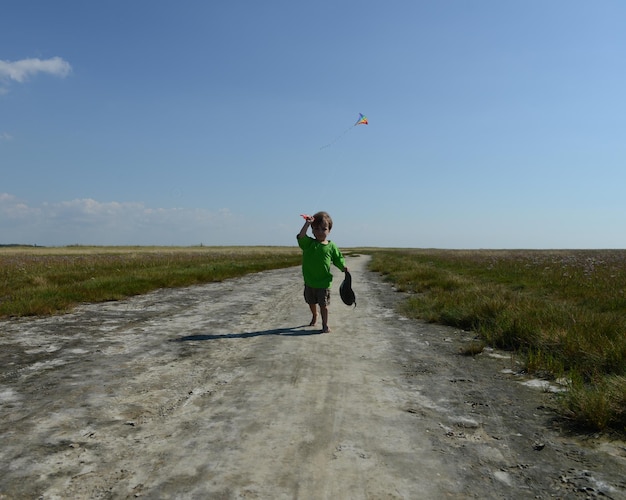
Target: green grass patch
[42,281]
[564,312]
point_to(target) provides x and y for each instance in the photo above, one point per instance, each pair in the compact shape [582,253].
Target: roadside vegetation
[563,312]
[43,281]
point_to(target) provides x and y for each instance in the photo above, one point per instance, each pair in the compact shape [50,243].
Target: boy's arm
[340,261]
[305,227]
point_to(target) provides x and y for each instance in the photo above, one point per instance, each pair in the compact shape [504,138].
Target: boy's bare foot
[326,329]
[313,321]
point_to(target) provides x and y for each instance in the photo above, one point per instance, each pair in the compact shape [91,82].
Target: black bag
[346,292]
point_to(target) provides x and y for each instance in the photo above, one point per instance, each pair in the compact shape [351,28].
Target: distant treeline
[18,245]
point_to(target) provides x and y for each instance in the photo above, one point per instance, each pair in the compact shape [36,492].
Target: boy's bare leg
[314,313]
[324,312]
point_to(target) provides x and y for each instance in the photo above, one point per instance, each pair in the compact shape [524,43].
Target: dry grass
[563,311]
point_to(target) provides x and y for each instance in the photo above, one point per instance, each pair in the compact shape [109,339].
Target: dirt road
[219,391]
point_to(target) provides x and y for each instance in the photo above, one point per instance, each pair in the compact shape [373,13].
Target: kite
[361,121]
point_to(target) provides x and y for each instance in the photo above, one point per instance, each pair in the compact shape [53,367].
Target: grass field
[564,312]
[41,281]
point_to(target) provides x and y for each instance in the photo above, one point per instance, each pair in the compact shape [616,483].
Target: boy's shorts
[319,296]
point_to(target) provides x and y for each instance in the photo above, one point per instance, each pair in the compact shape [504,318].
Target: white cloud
[21,70]
[12,208]
[5,136]
[91,222]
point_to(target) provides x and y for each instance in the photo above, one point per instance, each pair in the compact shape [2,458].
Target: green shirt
[316,260]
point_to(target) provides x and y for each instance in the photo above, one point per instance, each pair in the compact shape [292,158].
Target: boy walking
[318,253]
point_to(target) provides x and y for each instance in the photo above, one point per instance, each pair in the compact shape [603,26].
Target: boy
[317,255]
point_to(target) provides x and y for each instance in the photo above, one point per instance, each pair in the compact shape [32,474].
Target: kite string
[338,137]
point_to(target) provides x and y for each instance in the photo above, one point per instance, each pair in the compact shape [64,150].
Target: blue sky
[492,124]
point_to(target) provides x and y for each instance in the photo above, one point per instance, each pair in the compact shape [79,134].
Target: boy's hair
[321,217]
